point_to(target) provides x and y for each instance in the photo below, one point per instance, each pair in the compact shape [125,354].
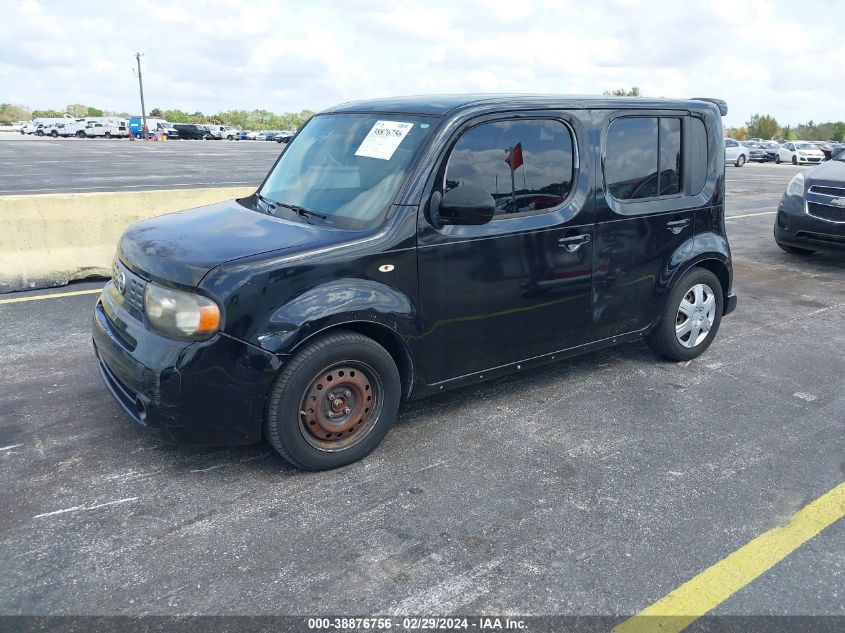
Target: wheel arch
[717,264]
[385,336]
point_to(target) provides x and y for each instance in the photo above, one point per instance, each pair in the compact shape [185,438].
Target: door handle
[677,226]
[573,243]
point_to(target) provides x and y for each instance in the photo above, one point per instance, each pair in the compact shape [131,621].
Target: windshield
[347,167]
[805,146]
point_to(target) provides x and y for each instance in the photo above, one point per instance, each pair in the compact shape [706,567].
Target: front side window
[526,165]
[346,167]
[643,157]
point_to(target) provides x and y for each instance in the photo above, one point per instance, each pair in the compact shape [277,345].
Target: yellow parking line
[717,583]
[55,295]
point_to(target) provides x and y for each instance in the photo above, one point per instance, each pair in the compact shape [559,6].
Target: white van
[117,128]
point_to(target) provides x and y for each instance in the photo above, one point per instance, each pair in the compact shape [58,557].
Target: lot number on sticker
[383,139]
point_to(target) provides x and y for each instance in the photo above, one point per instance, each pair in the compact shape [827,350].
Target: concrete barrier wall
[51,239]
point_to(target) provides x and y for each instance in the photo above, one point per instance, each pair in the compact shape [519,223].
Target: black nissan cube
[401,247]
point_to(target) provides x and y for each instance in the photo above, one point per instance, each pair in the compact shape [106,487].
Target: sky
[777,57]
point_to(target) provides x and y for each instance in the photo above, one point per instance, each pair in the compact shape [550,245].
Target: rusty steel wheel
[341,406]
[333,402]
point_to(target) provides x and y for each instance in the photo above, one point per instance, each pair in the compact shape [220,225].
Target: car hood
[182,247]
[830,173]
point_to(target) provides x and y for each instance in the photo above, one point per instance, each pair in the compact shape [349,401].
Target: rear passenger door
[645,214]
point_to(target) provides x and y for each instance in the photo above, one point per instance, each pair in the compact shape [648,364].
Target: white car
[735,152]
[799,153]
[223,131]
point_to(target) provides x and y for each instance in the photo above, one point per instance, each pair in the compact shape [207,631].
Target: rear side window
[526,165]
[644,157]
[698,155]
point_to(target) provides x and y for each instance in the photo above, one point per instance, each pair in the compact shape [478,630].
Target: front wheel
[334,402]
[741,160]
[777,159]
[690,318]
[108,134]
[794,159]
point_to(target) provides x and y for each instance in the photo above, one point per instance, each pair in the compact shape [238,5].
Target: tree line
[240,119]
[766,126]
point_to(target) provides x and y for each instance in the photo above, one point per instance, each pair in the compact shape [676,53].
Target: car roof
[449,104]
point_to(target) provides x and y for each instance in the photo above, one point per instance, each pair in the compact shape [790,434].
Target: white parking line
[749,215]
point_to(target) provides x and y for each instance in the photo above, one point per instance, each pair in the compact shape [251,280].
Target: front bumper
[208,393]
[810,160]
[796,226]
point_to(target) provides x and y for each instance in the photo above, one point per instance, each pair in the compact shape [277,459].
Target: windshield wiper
[270,203]
[303,211]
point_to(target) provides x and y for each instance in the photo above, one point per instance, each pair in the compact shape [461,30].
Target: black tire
[80,134]
[54,134]
[794,249]
[777,159]
[741,160]
[662,338]
[108,135]
[39,133]
[794,159]
[287,422]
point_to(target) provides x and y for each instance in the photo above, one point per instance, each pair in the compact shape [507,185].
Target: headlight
[796,186]
[181,315]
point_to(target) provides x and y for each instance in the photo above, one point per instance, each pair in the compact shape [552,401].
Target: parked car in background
[154,126]
[193,131]
[756,152]
[50,129]
[284,136]
[771,148]
[260,136]
[71,128]
[799,153]
[107,129]
[248,135]
[222,131]
[735,152]
[811,214]
[831,149]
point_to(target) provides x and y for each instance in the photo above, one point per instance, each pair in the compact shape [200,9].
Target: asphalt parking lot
[39,165]
[591,487]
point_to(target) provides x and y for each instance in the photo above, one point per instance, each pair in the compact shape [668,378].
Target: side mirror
[463,205]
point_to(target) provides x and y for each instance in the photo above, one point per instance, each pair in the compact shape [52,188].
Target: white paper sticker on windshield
[383,139]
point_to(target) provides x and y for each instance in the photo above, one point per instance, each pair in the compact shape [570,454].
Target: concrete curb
[48,240]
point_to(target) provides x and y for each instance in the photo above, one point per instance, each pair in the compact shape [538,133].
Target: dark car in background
[811,214]
[374,265]
[284,136]
[831,149]
[757,152]
[193,131]
[771,148]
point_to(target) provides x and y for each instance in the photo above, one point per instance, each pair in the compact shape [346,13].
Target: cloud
[760,56]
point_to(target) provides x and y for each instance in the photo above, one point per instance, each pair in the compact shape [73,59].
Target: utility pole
[141,86]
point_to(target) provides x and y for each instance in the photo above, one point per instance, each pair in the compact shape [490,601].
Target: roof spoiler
[723,106]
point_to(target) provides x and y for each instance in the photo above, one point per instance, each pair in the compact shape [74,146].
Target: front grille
[827,191]
[826,212]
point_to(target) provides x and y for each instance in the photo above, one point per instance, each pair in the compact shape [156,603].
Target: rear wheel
[690,318]
[794,159]
[777,159]
[795,250]
[108,134]
[334,402]
[741,160]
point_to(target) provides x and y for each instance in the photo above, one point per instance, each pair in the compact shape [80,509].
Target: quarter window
[644,157]
[527,165]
